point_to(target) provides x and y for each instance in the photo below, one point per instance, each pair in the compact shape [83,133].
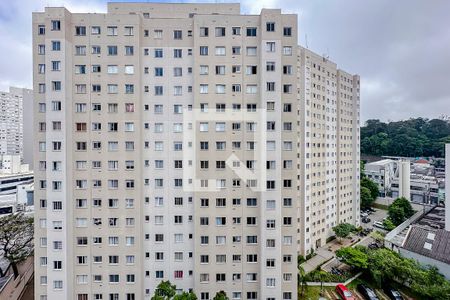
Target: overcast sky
[401,48]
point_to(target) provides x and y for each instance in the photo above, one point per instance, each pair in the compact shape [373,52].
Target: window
[287,31]
[270,46]
[41,29]
[270,26]
[129,30]
[129,69]
[177,53]
[220,88]
[236,30]
[41,49]
[80,69]
[236,50]
[220,70]
[270,66]
[158,53]
[204,70]
[157,34]
[56,25]
[287,50]
[57,284]
[251,31]
[112,50]
[96,50]
[177,35]
[220,31]
[95,30]
[251,89]
[111,30]
[270,86]
[80,50]
[204,50]
[287,70]
[251,70]
[129,50]
[203,89]
[204,31]
[80,30]
[177,72]
[220,51]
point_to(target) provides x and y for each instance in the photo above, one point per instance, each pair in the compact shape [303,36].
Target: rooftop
[429,242]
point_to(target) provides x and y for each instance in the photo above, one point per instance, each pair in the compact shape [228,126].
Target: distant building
[382,173]
[11,164]
[423,189]
[15,134]
[13,173]
[420,182]
[447,187]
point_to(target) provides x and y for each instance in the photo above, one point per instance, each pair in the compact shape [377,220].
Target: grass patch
[313,292]
[380,206]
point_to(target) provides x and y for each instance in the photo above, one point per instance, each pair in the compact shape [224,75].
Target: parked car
[378,224]
[363,214]
[365,220]
[371,209]
[373,246]
[344,293]
[367,292]
[392,293]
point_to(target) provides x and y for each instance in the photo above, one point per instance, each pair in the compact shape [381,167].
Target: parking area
[378,215]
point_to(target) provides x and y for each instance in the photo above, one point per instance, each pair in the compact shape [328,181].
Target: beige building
[185,142]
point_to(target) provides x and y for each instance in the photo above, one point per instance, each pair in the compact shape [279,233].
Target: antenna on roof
[306,41]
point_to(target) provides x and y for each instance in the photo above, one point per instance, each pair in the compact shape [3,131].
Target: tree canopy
[343,230]
[400,210]
[353,256]
[411,138]
[221,295]
[16,239]
[385,266]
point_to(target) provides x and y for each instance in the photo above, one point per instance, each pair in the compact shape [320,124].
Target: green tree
[353,256]
[400,210]
[221,295]
[302,281]
[365,197]
[185,296]
[377,236]
[343,230]
[388,225]
[405,205]
[396,215]
[164,291]
[16,239]
[413,137]
[372,186]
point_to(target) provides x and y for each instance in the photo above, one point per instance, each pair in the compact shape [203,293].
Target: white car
[378,224]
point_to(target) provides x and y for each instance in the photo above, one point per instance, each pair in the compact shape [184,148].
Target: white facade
[382,173]
[12,122]
[170,144]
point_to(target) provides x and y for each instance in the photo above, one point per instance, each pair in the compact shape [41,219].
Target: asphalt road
[378,215]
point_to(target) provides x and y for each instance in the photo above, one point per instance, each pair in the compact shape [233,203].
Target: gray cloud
[400,48]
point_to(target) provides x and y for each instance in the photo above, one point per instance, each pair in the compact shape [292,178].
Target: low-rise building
[382,173]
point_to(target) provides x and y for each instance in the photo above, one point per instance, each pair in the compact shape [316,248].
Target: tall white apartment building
[183,142]
[13,105]
[329,162]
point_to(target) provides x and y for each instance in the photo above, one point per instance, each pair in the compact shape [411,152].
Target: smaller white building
[11,164]
[382,173]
